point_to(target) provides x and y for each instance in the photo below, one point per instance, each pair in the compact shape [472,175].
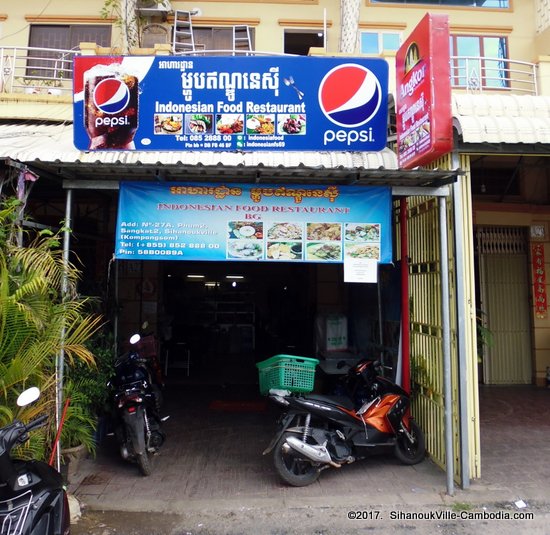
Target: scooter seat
[341,401]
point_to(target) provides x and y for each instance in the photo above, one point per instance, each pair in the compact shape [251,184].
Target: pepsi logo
[111,95]
[350,95]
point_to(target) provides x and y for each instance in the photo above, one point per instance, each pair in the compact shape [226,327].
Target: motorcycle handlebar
[35,424]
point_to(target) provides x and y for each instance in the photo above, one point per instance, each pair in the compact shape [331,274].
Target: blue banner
[230,103]
[251,222]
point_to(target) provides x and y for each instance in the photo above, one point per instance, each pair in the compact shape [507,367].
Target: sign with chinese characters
[539,280]
[271,223]
[213,103]
[423,93]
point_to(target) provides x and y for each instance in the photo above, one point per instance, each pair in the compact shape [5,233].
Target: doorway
[504,309]
[231,316]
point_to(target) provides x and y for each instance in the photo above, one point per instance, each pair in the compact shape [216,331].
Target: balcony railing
[36,70]
[46,70]
[480,74]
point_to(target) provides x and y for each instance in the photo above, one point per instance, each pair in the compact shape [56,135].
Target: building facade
[500,79]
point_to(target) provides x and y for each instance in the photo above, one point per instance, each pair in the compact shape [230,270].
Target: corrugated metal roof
[494,118]
[49,148]
[54,143]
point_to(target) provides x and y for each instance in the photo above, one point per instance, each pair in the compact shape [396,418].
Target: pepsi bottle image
[110,107]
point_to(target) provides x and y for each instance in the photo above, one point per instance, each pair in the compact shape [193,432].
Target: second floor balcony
[32,71]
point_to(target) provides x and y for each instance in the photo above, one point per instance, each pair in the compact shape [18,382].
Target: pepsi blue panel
[230,103]
[253,222]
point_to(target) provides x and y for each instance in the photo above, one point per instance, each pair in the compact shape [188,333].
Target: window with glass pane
[377,42]
[479,61]
[503,4]
[62,40]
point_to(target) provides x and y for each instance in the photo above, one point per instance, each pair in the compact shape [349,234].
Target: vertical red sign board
[539,280]
[423,93]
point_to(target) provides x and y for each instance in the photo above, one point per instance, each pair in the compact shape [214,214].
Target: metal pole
[380,321]
[61,356]
[462,319]
[405,316]
[446,342]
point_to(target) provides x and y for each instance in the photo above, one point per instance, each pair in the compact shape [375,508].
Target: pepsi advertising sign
[230,103]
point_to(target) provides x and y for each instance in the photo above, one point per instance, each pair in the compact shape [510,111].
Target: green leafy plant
[41,315]
[484,335]
[421,381]
[80,421]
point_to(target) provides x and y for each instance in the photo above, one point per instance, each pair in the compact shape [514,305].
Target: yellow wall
[518,23]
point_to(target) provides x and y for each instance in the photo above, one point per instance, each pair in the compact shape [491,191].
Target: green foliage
[421,381]
[484,335]
[41,315]
[92,380]
[80,421]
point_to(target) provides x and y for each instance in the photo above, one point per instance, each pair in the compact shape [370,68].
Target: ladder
[183,40]
[241,39]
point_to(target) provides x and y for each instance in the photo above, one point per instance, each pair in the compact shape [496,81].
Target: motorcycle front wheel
[144,463]
[411,452]
[293,468]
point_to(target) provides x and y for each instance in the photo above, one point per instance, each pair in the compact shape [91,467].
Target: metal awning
[48,150]
[522,122]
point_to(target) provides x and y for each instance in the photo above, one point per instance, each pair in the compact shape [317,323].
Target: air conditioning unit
[153,7]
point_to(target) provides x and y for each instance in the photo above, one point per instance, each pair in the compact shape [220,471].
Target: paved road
[459,519]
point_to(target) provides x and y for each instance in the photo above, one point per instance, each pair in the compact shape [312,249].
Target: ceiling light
[195,276]
[234,277]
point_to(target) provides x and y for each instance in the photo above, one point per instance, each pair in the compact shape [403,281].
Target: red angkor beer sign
[423,93]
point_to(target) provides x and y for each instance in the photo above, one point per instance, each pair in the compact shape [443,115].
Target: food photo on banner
[249,222]
[230,103]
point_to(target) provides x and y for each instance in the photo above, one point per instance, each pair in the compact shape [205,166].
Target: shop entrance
[229,316]
[218,319]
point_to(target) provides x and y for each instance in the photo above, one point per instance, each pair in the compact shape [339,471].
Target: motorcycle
[137,401]
[321,431]
[33,500]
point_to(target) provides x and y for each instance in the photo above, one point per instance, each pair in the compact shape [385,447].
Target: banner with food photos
[253,222]
[214,103]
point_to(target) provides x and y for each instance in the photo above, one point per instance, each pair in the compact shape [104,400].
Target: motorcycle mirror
[135,338]
[28,396]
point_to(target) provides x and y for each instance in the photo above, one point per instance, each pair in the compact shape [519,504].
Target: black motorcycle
[33,500]
[319,431]
[137,401]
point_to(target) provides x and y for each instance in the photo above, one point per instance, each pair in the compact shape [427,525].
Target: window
[300,41]
[479,62]
[502,4]
[44,64]
[378,42]
[217,38]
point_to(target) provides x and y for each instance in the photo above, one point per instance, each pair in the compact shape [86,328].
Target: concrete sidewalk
[212,461]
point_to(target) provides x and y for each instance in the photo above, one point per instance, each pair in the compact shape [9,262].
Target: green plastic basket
[287,372]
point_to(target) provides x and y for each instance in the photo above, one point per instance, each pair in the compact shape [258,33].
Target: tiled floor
[515,436]
[214,455]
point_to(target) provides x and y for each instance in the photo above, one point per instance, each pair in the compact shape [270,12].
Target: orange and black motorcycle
[320,431]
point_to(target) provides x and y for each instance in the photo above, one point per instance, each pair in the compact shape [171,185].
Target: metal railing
[46,70]
[36,70]
[480,74]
